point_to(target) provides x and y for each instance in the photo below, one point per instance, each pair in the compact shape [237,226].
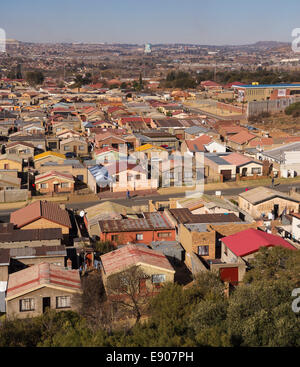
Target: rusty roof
[16,235]
[45,251]
[149,222]
[40,209]
[185,216]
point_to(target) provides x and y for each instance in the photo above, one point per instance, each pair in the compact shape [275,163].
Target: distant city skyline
[156,22]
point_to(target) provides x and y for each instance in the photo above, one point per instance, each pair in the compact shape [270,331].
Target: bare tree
[128,291]
[92,303]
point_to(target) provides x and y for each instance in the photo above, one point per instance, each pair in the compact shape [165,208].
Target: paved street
[4,214]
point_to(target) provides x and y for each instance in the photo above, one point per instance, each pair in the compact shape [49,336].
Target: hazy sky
[154,21]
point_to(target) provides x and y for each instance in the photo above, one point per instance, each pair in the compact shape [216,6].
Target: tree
[140,82]
[19,72]
[274,263]
[34,78]
[124,290]
[260,314]
[103,246]
[92,302]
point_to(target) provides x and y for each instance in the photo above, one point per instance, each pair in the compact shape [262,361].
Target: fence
[257,107]
[9,196]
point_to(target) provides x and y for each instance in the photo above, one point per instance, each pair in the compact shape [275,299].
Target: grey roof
[159,245]
[196,130]
[67,162]
[38,251]
[278,153]
[2,300]
[216,159]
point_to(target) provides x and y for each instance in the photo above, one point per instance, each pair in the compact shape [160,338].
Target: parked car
[70,155]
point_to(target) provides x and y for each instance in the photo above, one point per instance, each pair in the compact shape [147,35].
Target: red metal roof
[25,280]
[51,174]
[130,255]
[249,241]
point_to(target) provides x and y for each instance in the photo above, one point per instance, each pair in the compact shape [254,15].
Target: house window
[63,302]
[80,177]
[164,234]
[138,177]
[158,278]
[256,171]
[66,148]
[81,147]
[65,184]
[203,250]
[139,237]
[225,251]
[27,304]
[114,237]
[44,186]
[129,177]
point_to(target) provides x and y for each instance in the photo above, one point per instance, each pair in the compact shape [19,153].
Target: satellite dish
[82,213]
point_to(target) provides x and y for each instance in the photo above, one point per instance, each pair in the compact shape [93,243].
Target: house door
[226,174]
[230,275]
[56,186]
[46,303]
[276,210]
[143,288]
[75,149]
[244,172]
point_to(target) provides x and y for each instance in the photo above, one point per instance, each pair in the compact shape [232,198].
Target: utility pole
[215,72]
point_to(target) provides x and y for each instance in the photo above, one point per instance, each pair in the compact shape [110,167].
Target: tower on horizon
[147,49]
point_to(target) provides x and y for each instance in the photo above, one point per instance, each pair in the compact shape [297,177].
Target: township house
[109,140]
[153,263]
[266,202]
[79,146]
[106,210]
[240,247]
[31,291]
[42,214]
[150,227]
[11,237]
[11,162]
[37,140]
[240,140]
[119,177]
[194,231]
[227,166]
[15,259]
[48,156]
[21,149]
[54,182]
[9,181]
[68,166]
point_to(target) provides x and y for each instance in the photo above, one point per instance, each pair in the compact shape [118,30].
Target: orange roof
[242,137]
[197,145]
[236,159]
[40,209]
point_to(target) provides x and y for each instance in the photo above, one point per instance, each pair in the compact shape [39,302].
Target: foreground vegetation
[258,313]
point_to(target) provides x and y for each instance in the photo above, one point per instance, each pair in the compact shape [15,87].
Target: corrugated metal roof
[151,221]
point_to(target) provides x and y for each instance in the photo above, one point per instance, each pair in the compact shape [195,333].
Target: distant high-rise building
[147,48]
